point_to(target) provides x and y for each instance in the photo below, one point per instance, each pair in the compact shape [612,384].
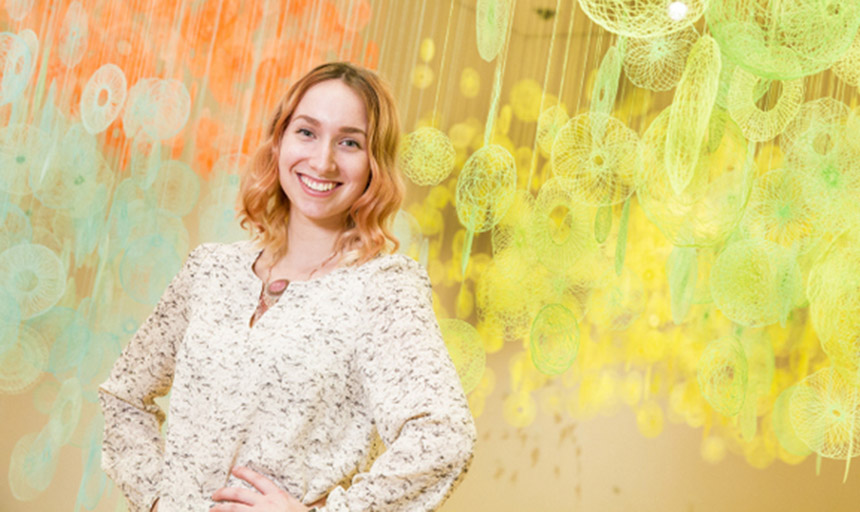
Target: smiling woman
[295,360]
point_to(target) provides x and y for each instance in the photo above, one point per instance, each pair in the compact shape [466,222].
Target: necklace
[272,290]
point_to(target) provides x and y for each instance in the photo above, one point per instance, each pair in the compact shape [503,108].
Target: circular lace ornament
[656,63]
[601,169]
[756,282]
[485,188]
[103,97]
[554,340]
[825,414]
[491,25]
[560,228]
[712,204]
[34,275]
[723,375]
[643,18]
[759,125]
[787,39]
[690,112]
[781,211]
[427,156]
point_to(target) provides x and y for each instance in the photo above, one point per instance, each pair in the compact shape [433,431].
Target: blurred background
[640,219]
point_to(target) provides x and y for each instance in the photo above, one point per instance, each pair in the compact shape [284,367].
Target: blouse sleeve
[415,400]
[133,448]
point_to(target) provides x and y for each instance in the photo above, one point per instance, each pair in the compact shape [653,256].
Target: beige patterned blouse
[343,389]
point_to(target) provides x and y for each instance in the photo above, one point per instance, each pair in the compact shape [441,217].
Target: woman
[296,360]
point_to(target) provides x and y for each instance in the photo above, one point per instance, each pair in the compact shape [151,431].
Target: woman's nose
[322,159]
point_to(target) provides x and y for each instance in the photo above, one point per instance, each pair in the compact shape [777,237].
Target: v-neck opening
[290,282]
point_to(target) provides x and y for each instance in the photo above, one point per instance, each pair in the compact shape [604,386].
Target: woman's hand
[270,497]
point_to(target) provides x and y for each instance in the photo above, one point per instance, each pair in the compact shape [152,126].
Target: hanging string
[533,163]
[442,63]
[501,59]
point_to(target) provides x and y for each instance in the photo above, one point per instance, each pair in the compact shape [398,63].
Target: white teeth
[317,185]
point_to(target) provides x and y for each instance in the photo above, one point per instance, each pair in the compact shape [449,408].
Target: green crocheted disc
[560,228]
[821,143]
[825,414]
[757,124]
[605,89]
[690,111]
[485,188]
[848,67]
[656,63]
[426,156]
[756,282]
[782,427]
[786,39]
[723,375]
[838,329]
[643,18]
[781,210]
[600,169]
[554,340]
[491,25]
[712,204]
[833,290]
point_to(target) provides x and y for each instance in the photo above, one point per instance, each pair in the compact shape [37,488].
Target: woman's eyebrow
[344,129]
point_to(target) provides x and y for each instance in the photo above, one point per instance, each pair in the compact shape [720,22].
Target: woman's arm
[415,399]
[132,449]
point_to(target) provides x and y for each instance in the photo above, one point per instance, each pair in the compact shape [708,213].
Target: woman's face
[323,160]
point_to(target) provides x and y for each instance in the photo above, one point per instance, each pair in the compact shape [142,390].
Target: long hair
[264,208]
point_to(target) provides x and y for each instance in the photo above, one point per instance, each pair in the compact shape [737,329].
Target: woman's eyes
[352,143]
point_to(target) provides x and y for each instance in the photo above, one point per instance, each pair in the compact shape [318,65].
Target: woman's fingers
[260,482]
[236,495]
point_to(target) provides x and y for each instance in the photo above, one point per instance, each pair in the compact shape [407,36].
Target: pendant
[277,287]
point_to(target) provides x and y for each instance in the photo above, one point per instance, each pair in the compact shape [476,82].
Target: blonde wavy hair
[264,207]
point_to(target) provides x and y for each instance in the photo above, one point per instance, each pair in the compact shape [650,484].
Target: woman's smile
[317,187]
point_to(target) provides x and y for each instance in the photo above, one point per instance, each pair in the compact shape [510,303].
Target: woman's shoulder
[392,266]
[222,250]
[390,275]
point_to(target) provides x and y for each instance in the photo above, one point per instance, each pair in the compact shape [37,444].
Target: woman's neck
[310,252]
[309,242]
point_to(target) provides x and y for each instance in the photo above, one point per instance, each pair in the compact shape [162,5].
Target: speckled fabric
[343,389]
